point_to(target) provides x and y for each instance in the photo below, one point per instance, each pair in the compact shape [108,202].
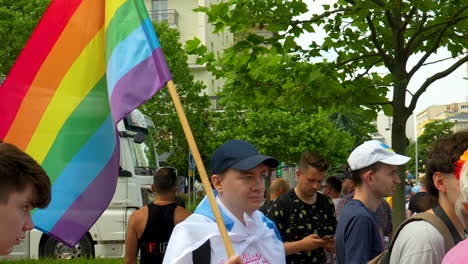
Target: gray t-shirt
[418,242]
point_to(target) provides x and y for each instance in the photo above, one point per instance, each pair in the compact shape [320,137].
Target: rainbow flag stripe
[87,65]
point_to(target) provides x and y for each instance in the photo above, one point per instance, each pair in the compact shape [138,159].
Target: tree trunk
[399,144]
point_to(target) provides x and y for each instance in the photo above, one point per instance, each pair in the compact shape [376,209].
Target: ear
[368,177]
[217,182]
[298,173]
[153,189]
[439,182]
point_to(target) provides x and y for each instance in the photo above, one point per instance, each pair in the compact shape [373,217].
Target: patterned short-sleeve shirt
[296,220]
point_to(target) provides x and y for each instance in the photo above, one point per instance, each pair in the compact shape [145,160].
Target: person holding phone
[306,218]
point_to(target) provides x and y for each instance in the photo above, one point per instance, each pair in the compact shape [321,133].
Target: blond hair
[279,186]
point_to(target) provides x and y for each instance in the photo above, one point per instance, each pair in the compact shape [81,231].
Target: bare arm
[180,214]
[131,242]
[293,247]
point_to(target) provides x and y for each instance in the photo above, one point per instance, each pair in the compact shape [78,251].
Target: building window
[159,12]
[159,5]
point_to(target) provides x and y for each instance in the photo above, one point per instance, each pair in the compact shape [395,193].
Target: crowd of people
[334,219]
[342,219]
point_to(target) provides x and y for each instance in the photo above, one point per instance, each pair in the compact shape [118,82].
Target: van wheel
[56,249]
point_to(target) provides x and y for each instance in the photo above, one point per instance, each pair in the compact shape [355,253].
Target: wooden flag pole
[201,167]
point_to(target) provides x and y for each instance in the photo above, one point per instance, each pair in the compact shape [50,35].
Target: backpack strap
[384,257]
[439,211]
[439,225]
[433,219]
[400,227]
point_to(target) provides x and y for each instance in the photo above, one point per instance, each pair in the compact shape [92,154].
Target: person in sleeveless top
[150,227]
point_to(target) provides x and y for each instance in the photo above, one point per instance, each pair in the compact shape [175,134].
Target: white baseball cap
[373,151]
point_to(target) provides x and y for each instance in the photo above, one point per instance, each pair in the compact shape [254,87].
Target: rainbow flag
[87,65]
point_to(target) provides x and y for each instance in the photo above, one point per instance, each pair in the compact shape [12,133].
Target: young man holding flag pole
[217,181]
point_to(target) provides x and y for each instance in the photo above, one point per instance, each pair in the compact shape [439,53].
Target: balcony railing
[170,16]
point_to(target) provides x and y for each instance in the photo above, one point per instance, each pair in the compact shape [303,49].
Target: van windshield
[144,155]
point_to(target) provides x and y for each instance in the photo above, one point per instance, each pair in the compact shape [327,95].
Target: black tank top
[153,241]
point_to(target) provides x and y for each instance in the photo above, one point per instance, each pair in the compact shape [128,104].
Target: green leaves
[193,47]
[433,131]
[17,21]
[169,134]
[361,51]
[388,109]
[285,135]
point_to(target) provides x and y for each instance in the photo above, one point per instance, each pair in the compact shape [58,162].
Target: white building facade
[179,14]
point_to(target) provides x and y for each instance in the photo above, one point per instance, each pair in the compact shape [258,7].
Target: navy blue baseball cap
[238,154]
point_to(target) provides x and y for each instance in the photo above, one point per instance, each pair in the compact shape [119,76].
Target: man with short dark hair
[24,185]
[383,213]
[373,170]
[306,218]
[417,202]
[332,189]
[150,227]
[238,175]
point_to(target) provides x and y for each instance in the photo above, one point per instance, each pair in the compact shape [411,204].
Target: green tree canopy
[356,122]
[433,131]
[376,45]
[285,135]
[18,19]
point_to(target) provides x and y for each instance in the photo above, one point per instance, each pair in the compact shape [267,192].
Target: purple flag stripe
[139,84]
[88,203]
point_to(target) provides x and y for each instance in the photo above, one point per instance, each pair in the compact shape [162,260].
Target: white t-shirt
[419,242]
